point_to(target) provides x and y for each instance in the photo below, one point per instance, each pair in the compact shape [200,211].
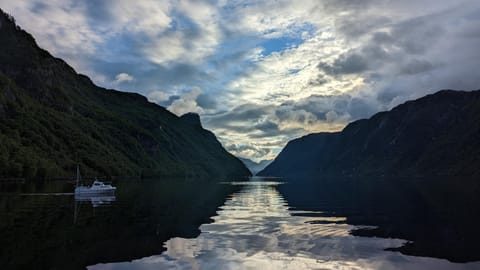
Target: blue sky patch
[279,44]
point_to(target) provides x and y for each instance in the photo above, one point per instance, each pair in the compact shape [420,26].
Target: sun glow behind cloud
[263,72]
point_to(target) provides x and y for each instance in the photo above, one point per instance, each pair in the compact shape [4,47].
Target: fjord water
[43,226]
[172,224]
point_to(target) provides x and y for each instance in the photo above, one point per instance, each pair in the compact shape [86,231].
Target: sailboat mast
[78,174]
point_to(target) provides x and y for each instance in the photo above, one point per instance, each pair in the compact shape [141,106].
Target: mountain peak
[9,25]
[6,18]
[192,118]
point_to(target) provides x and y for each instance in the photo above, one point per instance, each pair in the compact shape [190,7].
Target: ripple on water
[255,229]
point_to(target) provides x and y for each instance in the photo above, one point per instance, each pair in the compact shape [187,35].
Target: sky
[261,73]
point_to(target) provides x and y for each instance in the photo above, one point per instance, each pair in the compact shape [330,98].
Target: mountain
[253,166]
[411,173]
[52,118]
[436,135]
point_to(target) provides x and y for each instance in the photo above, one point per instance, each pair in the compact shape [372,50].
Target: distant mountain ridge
[253,166]
[438,134]
[52,118]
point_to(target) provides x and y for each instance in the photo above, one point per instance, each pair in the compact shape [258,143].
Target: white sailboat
[97,187]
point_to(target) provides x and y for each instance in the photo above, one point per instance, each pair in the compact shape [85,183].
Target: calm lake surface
[182,224]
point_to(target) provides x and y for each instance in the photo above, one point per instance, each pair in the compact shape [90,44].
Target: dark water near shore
[182,224]
[42,226]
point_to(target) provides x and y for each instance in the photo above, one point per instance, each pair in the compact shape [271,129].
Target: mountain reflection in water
[255,229]
[44,226]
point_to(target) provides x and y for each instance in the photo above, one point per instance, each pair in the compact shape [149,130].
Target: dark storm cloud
[386,43]
[258,152]
[260,121]
[357,26]
[346,64]
[408,58]
[267,127]
[389,48]
[255,120]
[342,5]
[235,147]
[417,35]
[382,37]
[416,66]
[207,101]
[248,119]
[244,112]
[351,107]
[370,56]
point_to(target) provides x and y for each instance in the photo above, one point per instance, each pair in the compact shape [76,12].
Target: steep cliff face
[438,134]
[52,118]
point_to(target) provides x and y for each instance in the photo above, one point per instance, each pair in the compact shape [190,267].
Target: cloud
[123,77]
[346,64]
[157,96]
[194,36]
[268,128]
[416,66]
[62,27]
[248,150]
[149,17]
[186,103]
[331,116]
[269,71]
[207,101]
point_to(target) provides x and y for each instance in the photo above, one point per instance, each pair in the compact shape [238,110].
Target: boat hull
[89,191]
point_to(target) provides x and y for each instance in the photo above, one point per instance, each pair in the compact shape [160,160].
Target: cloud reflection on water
[255,229]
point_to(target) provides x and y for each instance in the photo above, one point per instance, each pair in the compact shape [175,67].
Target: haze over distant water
[255,167]
[262,73]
